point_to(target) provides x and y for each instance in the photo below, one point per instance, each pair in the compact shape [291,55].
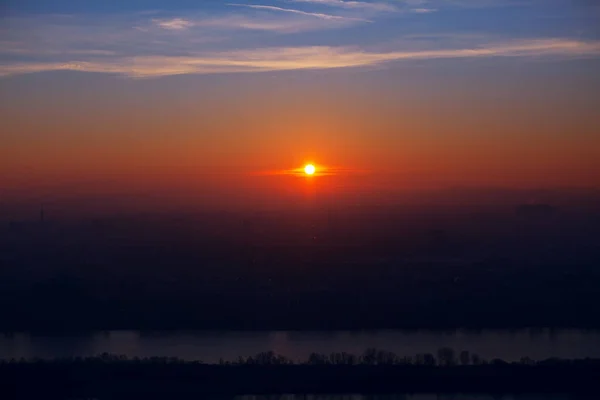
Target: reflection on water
[210,346]
[407,397]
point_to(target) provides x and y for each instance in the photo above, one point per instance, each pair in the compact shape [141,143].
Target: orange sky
[73,134]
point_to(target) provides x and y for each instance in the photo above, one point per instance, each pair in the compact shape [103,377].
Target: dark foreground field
[111,377]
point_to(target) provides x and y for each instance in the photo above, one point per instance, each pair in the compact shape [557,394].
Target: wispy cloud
[360,5]
[427,4]
[300,58]
[203,42]
[278,24]
[41,36]
[412,6]
[299,12]
[174,24]
[423,10]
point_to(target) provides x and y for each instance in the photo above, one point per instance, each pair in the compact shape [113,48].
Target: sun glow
[309,169]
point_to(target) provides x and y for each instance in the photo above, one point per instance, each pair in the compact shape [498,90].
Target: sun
[309,169]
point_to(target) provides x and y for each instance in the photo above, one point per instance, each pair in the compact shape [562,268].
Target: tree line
[445,357]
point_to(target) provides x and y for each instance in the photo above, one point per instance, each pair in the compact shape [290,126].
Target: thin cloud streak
[174,24]
[299,12]
[351,4]
[300,58]
[424,10]
[479,4]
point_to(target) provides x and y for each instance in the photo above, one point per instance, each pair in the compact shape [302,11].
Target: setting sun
[309,169]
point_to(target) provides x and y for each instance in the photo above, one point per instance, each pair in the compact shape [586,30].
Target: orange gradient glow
[250,144]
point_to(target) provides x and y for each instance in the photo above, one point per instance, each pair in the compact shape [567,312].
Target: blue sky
[159,38]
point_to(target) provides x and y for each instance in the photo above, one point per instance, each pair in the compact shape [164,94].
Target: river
[411,397]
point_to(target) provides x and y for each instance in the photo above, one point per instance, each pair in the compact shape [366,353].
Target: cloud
[174,24]
[41,36]
[465,3]
[8,48]
[293,11]
[300,58]
[423,10]
[361,5]
[277,25]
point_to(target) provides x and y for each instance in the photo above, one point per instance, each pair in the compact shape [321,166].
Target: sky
[219,102]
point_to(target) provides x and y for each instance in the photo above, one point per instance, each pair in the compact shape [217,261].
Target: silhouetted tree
[406,360]
[267,358]
[420,359]
[317,359]
[335,358]
[527,361]
[349,359]
[465,357]
[369,357]
[446,356]
[386,358]
[429,360]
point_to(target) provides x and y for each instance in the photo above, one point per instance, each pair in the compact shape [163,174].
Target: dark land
[116,377]
[347,267]
[480,265]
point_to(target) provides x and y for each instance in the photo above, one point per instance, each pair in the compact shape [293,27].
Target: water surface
[408,397]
